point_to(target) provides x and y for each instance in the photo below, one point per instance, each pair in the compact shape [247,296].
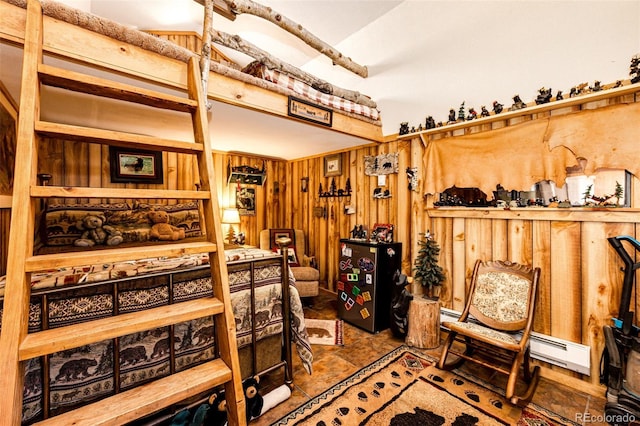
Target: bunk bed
[357,116]
[63,296]
[68,379]
[51,331]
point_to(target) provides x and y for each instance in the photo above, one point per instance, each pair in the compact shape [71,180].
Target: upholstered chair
[302,266]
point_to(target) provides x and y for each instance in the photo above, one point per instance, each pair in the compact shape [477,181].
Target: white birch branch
[261,11]
[237,43]
[205,56]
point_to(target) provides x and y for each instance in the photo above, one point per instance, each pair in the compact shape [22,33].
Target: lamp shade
[230,216]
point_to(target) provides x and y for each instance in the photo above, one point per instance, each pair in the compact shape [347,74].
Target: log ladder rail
[16,345]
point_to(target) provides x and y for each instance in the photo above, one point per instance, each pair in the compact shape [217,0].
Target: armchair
[306,276]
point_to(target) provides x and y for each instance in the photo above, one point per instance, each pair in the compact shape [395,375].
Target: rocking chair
[496,323]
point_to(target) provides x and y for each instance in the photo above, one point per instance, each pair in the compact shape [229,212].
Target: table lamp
[231,217]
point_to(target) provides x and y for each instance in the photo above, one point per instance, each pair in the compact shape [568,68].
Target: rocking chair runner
[496,323]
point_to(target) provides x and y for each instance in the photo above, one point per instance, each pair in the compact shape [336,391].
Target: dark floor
[333,364]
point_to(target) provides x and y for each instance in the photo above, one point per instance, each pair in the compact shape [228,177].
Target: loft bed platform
[78,45]
[53,361]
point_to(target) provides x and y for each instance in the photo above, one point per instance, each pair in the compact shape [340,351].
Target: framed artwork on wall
[382,233]
[274,234]
[310,112]
[135,166]
[333,165]
[246,201]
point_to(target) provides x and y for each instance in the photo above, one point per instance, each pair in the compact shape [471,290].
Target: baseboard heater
[565,354]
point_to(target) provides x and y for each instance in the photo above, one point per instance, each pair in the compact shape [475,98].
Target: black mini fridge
[366,281]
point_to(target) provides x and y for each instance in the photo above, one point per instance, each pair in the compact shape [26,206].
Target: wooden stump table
[424,323]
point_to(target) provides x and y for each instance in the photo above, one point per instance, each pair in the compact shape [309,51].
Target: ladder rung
[116,254]
[76,335]
[38,191]
[147,399]
[115,138]
[78,82]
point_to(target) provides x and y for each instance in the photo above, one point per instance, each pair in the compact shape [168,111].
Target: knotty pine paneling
[324,230]
[581,280]
[541,255]
[87,165]
[566,288]
[580,283]
[193,42]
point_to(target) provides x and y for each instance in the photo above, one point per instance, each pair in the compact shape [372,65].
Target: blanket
[81,374]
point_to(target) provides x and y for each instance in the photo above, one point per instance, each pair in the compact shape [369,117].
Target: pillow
[132,221]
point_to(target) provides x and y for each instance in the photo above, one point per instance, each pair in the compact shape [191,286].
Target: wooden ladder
[16,345]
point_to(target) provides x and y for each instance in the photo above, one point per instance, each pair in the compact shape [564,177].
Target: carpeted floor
[404,388]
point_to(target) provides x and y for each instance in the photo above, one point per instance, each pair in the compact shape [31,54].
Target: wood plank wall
[73,164]
[192,41]
[8,128]
[580,285]
[331,223]
[581,280]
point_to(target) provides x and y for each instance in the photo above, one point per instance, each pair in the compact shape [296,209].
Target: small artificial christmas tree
[461,112]
[231,235]
[619,193]
[587,194]
[426,269]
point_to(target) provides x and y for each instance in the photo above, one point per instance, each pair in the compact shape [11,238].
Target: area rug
[325,332]
[404,388]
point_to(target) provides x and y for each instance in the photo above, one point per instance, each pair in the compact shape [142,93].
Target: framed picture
[274,234]
[333,165]
[307,111]
[135,165]
[246,201]
[382,233]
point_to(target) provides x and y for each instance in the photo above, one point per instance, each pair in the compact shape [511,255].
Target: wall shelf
[529,110]
[247,178]
[572,214]
[246,174]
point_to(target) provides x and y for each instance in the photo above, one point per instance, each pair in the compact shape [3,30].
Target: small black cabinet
[366,281]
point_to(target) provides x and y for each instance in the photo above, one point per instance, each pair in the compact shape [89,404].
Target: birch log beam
[424,323]
[261,11]
[235,42]
[205,56]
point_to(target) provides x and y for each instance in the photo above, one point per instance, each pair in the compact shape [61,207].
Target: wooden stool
[424,323]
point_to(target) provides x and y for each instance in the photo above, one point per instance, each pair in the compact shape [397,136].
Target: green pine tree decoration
[426,269]
[461,112]
[587,193]
[619,193]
